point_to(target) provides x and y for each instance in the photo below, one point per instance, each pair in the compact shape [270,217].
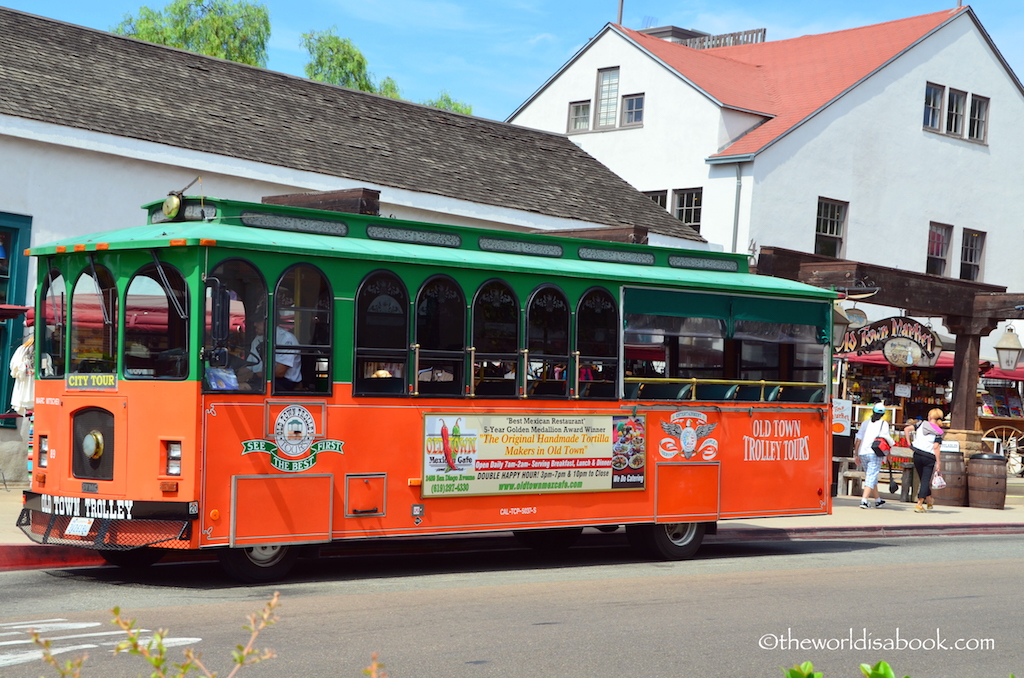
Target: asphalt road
[735,610]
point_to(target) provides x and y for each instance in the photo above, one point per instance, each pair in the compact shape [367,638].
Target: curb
[740,534]
[35,557]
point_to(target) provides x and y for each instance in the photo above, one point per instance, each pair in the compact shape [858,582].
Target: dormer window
[607,97]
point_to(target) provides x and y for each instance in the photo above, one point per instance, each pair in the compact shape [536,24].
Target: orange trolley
[260,379]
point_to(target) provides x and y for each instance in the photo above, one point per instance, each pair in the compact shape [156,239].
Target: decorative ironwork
[515,247]
[414,237]
[616,256]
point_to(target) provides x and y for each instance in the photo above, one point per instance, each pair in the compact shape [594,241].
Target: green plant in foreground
[805,670]
[879,670]
[155,653]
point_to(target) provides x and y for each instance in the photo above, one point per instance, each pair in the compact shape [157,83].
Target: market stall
[1001,415]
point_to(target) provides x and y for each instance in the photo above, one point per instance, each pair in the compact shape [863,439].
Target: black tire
[549,540]
[671,541]
[258,564]
[134,559]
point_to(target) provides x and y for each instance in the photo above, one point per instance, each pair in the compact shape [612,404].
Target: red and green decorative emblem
[293,448]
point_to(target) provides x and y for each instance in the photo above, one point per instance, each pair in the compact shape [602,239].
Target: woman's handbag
[880,446]
[938,482]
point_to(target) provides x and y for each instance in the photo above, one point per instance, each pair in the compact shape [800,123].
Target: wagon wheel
[1005,440]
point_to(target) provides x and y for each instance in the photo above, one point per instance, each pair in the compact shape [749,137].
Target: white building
[897,144]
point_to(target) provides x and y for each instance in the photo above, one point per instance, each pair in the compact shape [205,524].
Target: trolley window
[547,322]
[441,336]
[496,339]
[302,336]
[94,322]
[597,341]
[246,340]
[382,336]
[156,324]
[52,333]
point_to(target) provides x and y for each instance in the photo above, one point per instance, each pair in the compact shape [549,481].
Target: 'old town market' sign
[903,341]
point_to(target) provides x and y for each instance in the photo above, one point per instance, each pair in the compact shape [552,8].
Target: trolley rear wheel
[670,541]
[258,564]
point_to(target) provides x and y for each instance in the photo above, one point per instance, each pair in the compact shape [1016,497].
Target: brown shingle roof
[77,77]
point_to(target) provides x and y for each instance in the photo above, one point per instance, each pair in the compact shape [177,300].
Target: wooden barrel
[986,481]
[955,491]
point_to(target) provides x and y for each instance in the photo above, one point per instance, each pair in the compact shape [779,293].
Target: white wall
[72,182]
[681,128]
[870,150]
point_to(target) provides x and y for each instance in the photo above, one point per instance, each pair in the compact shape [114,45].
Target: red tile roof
[789,80]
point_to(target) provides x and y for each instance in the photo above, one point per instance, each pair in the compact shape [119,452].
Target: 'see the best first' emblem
[293,448]
[294,430]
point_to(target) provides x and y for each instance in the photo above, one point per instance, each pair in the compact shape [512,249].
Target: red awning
[945,361]
[8,311]
[1011,375]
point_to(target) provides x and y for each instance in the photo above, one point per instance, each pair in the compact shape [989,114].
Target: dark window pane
[496,319]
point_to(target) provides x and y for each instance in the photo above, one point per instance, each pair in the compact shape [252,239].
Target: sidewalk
[847,521]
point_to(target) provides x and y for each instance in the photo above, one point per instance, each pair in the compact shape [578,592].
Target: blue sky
[494,54]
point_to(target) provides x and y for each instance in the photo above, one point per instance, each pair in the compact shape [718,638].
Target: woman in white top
[876,427]
[926,444]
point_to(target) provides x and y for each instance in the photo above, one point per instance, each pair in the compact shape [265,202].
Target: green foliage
[445,101]
[155,653]
[236,31]
[805,670]
[336,60]
[879,670]
[389,88]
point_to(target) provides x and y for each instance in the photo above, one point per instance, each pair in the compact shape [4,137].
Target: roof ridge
[809,36]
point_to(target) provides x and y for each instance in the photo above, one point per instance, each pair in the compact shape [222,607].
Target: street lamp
[1008,349]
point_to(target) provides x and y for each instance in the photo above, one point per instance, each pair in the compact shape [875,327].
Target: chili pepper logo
[446,444]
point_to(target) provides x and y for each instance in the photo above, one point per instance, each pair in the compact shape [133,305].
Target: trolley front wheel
[670,541]
[258,564]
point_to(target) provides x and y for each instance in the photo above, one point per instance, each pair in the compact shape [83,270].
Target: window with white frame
[966,115]
[579,116]
[933,106]
[956,105]
[633,110]
[971,253]
[978,124]
[660,197]
[828,232]
[939,236]
[607,97]
[688,203]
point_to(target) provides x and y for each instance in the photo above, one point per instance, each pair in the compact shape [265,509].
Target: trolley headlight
[92,444]
[43,452]
[173,458]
